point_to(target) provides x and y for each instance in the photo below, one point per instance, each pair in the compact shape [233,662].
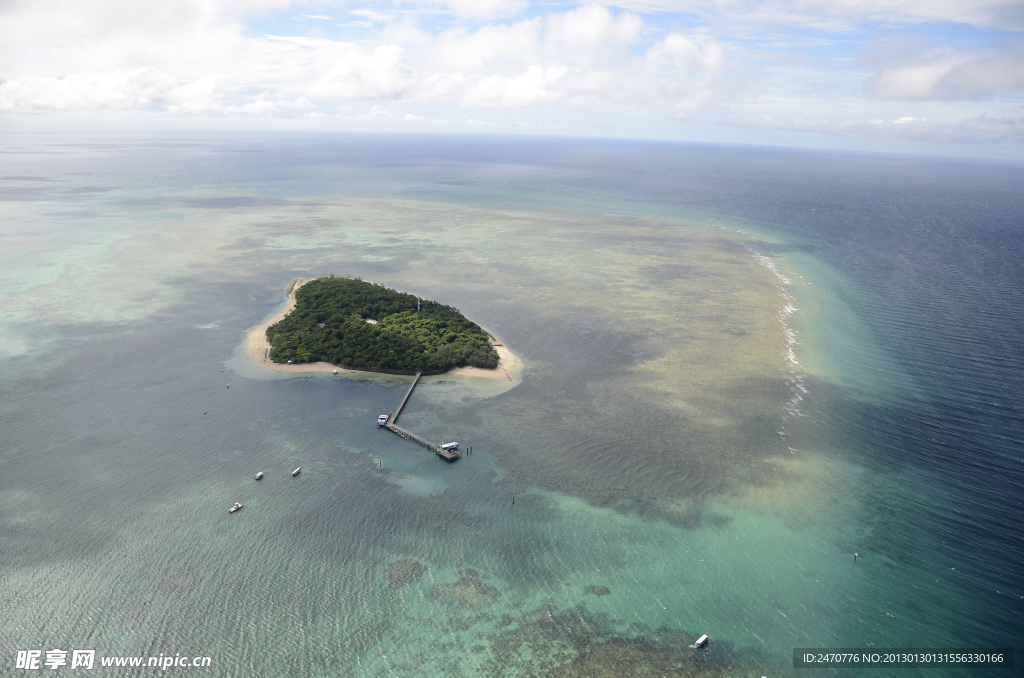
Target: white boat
[382,420]
[449,446]
[702,641]
[259,476]
[234,508]
[296,471]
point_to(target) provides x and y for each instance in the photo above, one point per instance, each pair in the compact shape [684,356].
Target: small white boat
[296,472]
[234,508]
[259,476]
[382,420]
[702,641]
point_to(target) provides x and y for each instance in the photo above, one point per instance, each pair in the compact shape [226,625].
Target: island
[356,324]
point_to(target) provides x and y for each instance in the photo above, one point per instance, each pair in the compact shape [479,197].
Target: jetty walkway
[444,453]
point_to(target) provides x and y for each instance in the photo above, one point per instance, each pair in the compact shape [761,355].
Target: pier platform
[446,454]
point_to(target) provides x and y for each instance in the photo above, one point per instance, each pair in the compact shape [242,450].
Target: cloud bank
[839,67]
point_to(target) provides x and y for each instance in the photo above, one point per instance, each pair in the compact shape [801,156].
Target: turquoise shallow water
[725,395]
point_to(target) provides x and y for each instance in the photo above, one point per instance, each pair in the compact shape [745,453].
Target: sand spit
[507,362]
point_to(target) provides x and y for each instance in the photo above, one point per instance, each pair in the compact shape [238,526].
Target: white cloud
[530,88]
[591,27]
[473,8]
[328,69]
[378,113]
[982,129]
[372,15]
[197,56]
[421,120]
[264,104]
[686,54]
[841,15]
[136,88]
[458,49]
[945,73]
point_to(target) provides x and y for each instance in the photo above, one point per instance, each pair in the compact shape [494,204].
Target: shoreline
[259,347]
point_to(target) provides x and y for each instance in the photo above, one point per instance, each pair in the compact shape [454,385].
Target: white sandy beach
[507,362]
[260,348]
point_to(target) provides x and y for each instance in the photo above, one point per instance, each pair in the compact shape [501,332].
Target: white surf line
[797,378]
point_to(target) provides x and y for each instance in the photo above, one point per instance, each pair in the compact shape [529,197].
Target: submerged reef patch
[576,643]
[404,572]
[641,659]
[469,592]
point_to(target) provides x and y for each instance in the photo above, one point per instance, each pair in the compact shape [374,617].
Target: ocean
[740,367]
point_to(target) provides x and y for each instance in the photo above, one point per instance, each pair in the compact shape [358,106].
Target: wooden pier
[449,455]
[393,417]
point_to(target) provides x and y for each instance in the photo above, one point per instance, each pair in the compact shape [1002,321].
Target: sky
[929,76]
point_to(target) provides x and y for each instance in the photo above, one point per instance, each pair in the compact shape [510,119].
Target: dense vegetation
[329,324]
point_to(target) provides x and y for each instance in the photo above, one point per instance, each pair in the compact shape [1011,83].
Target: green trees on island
[329,323]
